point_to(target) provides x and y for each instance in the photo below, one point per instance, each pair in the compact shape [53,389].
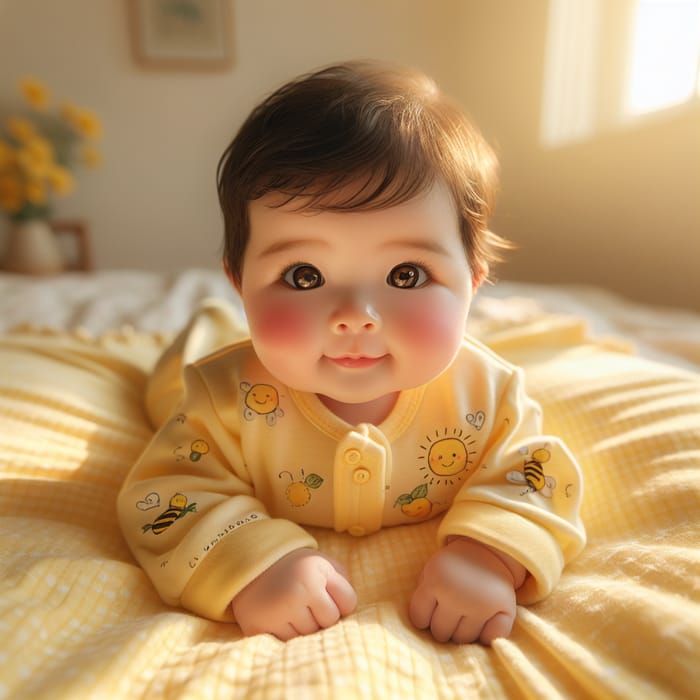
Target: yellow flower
[11,199]
[89,124]
[22,129]
[36,158]
[39,151]
[7,155]
[84,121]
[61,180]
[35,192]
[35,93]
[92,157]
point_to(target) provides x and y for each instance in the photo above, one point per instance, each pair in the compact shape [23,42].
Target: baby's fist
[465,594]
[301,593]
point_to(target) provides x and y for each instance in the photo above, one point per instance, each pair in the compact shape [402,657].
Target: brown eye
[303,277]
[407,276]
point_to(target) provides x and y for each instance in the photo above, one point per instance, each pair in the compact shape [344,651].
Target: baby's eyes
[407,276]
[303,277]
[403,276]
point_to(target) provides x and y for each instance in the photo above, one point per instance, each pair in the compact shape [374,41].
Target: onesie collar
[319,415]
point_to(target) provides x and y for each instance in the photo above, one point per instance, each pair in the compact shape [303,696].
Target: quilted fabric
[79,619]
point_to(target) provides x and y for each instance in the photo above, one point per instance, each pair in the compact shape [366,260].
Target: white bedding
[149,301]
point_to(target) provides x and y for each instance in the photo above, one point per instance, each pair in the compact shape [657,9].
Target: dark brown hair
[359,136]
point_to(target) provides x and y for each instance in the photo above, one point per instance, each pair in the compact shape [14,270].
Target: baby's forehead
[276,218]
[342,193]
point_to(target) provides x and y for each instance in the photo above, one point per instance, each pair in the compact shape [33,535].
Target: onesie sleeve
[189,512]
[524,497]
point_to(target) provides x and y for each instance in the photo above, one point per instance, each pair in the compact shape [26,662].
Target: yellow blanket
[79,619]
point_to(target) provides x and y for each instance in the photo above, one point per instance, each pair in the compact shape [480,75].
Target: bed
[78,618]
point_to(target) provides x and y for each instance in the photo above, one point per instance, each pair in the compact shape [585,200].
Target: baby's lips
[357,361]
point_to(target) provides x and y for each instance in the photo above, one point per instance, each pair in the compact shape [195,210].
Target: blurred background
[592,105]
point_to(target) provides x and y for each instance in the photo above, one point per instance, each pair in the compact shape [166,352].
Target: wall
[620,210]
[153,204]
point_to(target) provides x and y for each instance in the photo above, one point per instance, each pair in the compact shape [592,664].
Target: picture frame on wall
[181,34]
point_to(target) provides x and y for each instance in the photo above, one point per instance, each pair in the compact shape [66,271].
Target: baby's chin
[374,410]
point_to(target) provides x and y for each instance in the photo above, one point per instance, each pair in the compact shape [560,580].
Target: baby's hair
[359,136]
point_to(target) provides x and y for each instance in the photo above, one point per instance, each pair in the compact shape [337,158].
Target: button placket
[362,459]
[361,475]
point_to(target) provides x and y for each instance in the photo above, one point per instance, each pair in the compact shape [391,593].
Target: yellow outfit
[225,486]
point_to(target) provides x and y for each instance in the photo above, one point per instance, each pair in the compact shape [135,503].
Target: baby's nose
[355,318]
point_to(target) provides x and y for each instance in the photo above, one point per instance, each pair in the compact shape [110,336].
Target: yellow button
[356,530]
[361,475]
[352,456]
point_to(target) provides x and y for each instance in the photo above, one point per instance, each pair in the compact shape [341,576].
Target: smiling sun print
[447,456]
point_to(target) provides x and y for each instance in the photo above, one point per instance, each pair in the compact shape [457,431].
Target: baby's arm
[301,593]
[466,593]
[191,515]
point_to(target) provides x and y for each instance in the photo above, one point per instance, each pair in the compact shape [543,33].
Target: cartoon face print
[447,457]
[415,504]
[177,508]
[298,493]
[261,400]
[533,474]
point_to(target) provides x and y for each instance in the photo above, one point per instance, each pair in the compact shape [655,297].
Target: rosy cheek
[427,325]
[281,322]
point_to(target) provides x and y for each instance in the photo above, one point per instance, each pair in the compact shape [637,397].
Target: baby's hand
[466,593]
[300,594]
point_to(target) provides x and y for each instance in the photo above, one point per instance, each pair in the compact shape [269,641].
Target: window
[665,55]
[607,63]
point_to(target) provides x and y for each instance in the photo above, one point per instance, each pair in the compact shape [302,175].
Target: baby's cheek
[281,323]
[429,326]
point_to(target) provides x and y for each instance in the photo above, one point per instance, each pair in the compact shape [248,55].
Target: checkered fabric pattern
[79,619]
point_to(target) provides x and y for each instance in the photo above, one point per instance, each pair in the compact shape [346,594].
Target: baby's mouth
[356,361]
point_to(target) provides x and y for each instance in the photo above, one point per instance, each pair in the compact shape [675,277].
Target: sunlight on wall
[571,59]
[665,55]
[608,63]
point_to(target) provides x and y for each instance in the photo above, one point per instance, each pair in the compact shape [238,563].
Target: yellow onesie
[226,485]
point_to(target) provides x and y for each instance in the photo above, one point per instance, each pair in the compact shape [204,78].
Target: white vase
[32,248]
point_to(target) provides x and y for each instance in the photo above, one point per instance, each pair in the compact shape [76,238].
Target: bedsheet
[162,302]
[79,619]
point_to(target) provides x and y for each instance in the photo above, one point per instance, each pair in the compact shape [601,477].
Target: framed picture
[181,34]
[74,242]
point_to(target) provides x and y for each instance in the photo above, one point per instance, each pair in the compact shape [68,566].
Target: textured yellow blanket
[78,618]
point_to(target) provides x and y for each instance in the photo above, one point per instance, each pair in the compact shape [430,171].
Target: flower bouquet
[38,151]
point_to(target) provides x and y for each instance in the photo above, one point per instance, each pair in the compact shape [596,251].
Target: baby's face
[355,306]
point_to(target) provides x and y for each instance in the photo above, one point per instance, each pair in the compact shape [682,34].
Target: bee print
[177,508]
[261,400]
[298,493]
[533,474]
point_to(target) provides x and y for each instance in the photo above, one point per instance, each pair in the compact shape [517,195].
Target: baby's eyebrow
[421,244]
[292,243]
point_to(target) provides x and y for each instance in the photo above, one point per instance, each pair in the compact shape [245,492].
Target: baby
[356,202]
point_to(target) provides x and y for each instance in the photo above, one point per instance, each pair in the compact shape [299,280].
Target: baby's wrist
[516,570]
